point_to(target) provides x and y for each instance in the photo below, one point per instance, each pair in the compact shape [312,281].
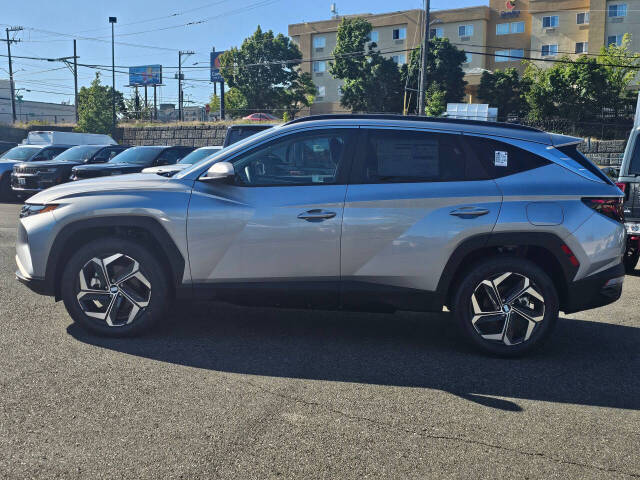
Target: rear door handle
[469,212]
[316,215]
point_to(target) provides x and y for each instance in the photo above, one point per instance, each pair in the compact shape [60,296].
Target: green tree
[621,66]
[435,101]
[94,107]
[134,108]
[265,71]
[214,103]
[371,82]
[444,68]
[235,104]
[505,90]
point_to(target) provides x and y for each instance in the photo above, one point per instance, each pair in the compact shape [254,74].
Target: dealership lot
[230,392]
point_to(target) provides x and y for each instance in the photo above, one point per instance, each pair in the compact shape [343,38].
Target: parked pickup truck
[629,183]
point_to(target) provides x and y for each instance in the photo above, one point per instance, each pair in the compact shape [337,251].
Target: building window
[551,21]
[465,30]
[502,29]
[614,40]
[582,18]
[549,50]
[437,32]
[399,59]
[319,42]
[506,28]
[582,47]
[517,27]
[509,55]
[618,10]
[322,90]
[319,67]
[399,33]
[373,36]
[469,57]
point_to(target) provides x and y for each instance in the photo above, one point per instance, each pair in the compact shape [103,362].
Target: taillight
[609,207]
[623,188]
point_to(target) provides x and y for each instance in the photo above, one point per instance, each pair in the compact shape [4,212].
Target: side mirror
[219,171]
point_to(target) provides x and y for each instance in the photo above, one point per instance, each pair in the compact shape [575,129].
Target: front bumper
[37,285]
[595,291]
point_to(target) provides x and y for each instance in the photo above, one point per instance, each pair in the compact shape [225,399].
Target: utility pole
[186,53]
[11,84]
[113,21]
[424,57]
[75,78]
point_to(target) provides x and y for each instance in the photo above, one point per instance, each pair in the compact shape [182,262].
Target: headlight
[29,209]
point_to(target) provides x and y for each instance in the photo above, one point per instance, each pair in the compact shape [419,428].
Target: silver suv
[504,225]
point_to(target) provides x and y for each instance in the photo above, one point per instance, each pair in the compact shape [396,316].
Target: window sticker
[501,159]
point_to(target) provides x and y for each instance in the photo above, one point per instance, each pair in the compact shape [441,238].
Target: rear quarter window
[502,159]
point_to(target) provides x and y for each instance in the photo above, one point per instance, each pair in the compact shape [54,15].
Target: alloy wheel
[507,308]
[113,289]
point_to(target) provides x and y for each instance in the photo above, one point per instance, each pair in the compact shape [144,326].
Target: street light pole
[113,21]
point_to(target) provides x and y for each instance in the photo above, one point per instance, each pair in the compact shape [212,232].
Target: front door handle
[469,212]
[316,215]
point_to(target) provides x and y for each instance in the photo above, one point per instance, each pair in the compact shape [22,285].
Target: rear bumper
[595,291]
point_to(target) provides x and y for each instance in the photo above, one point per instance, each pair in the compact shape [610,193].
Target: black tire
[630,260]
[6,192]
[491,269]
[151,309]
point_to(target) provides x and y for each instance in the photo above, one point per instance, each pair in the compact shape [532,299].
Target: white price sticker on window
[501,159]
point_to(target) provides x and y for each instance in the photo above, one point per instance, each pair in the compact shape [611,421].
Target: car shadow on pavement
[585,362]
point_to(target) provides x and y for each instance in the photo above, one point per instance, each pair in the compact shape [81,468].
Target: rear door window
[394,156]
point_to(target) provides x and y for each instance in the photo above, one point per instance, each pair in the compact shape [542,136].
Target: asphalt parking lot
[228,392]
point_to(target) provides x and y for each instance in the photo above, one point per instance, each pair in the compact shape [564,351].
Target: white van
[67,138]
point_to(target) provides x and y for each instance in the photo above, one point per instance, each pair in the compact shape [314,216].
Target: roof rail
[410,118]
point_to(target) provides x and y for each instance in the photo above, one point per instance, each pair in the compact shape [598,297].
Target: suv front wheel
[114,287]
[506,306]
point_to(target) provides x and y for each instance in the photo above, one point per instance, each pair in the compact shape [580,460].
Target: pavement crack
[424,434]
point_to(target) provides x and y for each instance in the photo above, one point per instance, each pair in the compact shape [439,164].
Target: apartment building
[494,37]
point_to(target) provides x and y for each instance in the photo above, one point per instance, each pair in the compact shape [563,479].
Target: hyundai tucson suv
[31,177]
[24,153]
[504,225]
[132,160]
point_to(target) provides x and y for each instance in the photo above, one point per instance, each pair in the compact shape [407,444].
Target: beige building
[494,37]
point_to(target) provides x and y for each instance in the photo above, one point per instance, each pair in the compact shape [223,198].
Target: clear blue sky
[156,23]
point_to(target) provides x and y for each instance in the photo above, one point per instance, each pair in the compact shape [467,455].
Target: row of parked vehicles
[53,158]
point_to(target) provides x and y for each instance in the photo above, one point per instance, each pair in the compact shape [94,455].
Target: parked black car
[235,133]
[24,153]
[32,177]
[132,160]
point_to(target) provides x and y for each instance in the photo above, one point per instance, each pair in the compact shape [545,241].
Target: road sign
[215,67]
[145,75]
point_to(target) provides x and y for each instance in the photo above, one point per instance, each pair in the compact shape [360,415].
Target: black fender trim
[549,241]
[175,259]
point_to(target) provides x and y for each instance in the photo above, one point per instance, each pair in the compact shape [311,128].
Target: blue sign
[215,67]
[145,75]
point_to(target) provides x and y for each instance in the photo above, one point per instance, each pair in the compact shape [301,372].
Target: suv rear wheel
[506,306]
[114,287]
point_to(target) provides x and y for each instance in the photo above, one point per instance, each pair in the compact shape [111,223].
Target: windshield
[78,154]
[136,155]
[197,155]
[20,153]
[237,134]
[226,151]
